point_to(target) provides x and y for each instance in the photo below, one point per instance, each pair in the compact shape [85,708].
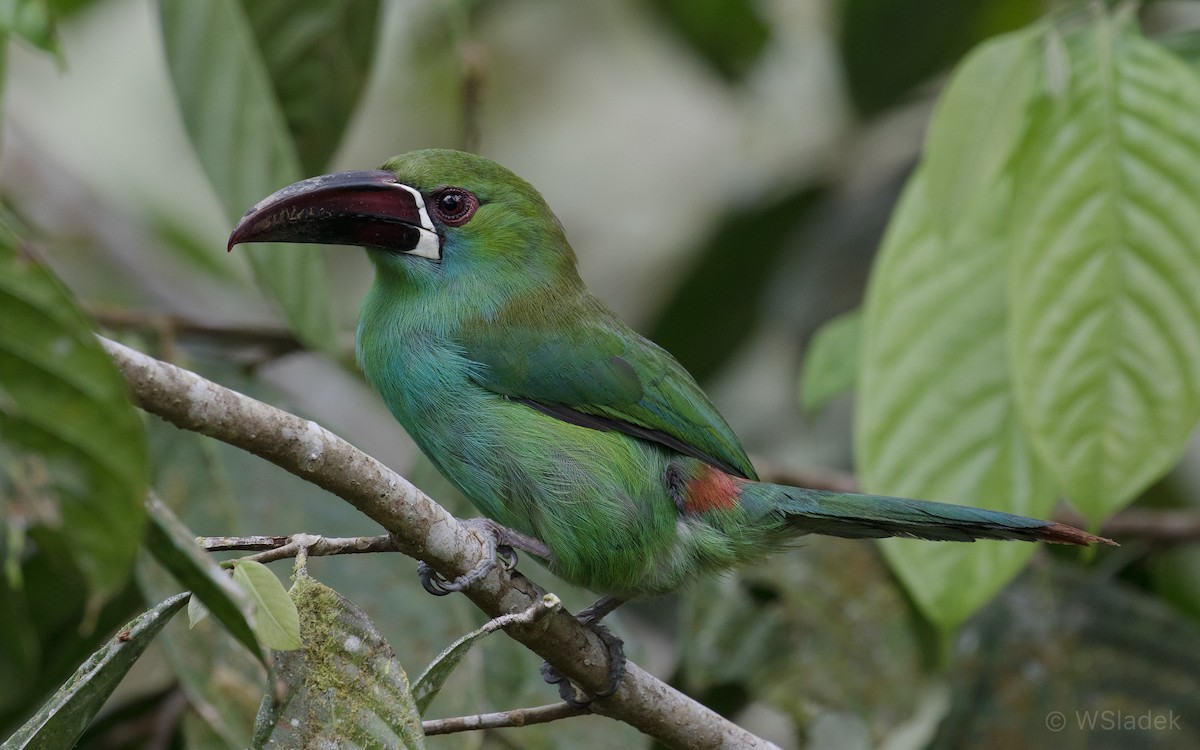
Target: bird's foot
[590,618]
[501,545]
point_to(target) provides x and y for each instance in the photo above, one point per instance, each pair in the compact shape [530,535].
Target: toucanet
[558,421]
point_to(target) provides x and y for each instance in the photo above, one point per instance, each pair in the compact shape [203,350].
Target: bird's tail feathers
[855,516]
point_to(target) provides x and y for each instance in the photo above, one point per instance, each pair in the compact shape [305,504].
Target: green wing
[601,374]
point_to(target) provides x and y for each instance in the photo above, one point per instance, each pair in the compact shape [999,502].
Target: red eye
[454,206]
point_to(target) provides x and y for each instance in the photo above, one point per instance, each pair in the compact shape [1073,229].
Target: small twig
[168,328]
[241,543]
[282,547]
[518,717]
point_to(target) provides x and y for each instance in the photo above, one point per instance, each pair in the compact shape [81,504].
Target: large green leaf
[77,467]
[238,128]
[30,20]
[979,120]
[1105,333]
[935,417]
[67,714]
[317,53]
[343,688]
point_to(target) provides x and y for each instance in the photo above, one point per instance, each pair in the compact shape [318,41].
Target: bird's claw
[616,666]
[498,549]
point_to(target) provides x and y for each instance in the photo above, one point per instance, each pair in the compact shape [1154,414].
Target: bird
[583,442]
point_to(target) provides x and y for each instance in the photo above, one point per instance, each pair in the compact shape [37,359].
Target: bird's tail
[852,515]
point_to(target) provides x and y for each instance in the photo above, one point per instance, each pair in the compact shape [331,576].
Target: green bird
[557,420]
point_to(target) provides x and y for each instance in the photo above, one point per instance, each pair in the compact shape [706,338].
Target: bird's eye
[455,206]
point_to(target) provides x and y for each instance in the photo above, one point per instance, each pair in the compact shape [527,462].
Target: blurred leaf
[831,362]
[174,235]
[830,609]
[61,721]
[65,8]
[935,414]
[239,131]
[1185,44]
[176,550]
[1176,576]
[344,688]
[79,468]
[43,615]
[1105,334]
[31,20]
[729,35]
[1063,647]
[431,681]
[979,120]
[890,46]
[276,621]
[222,681]
[196,612]
[717,301]
[317,54]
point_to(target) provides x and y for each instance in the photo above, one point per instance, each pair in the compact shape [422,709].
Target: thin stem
[518,717]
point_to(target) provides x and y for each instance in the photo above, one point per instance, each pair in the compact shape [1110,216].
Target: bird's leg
[590,618]
[502,543]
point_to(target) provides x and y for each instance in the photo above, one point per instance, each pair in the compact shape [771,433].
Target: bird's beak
[367,208]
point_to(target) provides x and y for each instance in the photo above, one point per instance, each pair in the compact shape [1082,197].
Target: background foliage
[1018,183]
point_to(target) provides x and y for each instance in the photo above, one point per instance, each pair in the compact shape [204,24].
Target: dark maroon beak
[367,208]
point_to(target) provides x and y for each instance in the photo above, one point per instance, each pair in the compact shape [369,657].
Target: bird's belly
[599,500]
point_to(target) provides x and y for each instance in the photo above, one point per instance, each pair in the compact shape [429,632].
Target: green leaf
[1105,334]
[730,35]
[276,622]
[768,628]
[1065,643]
[344,688]
[317,54]
[222,681]
[935,417]
[978,122]
[31,20]
[831,363]
[176,550]
[197,613]
[237,126]
[62,719]
[430,683]
[79,470]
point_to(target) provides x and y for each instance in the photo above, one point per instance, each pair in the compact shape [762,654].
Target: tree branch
[423,530]
[314,545]
[518,717]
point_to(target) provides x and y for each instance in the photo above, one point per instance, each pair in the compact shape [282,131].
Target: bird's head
[434,218]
